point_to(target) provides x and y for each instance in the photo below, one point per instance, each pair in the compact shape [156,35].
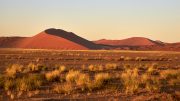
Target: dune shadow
[73,37]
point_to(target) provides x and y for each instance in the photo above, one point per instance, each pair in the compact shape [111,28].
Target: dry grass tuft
[111,66]
[152,69]
[35,67]
[171,77]
[72,76]
[31,82]
[53,75]
[12,70]
[95,68]
[99,82]
[9,84]
[131,80]
[66,88]
[1,81]
[62,68]
[83,81]
[151,83]
[170,74]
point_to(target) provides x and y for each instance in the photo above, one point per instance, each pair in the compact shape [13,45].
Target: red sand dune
[62,40]
[54,39]
[9,42]
[134,41]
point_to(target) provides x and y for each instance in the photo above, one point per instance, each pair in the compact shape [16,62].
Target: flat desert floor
[103,75]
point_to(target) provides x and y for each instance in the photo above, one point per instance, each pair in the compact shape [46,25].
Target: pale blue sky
[93,19]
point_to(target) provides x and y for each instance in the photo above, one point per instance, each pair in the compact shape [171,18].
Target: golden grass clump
[9,84]
[12,70]
[131,80]
[171,76]
[35,67]
[66,88]
[95,68]
[127,59]
[151,83]
[100,80]
[110,66]
[80,79]
[101,77]
[72,76]
[152,69]
[126,66]
[29,82]
[53,75]
[62,68]
[83,81]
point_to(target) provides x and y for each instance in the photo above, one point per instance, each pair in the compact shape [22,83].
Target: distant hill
[63,40]
[134,41]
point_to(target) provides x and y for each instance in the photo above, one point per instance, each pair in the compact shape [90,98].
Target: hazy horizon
[93,19]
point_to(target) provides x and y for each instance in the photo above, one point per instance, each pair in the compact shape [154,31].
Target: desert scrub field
[90,75]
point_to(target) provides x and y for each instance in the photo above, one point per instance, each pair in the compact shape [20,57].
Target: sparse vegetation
[89,73]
